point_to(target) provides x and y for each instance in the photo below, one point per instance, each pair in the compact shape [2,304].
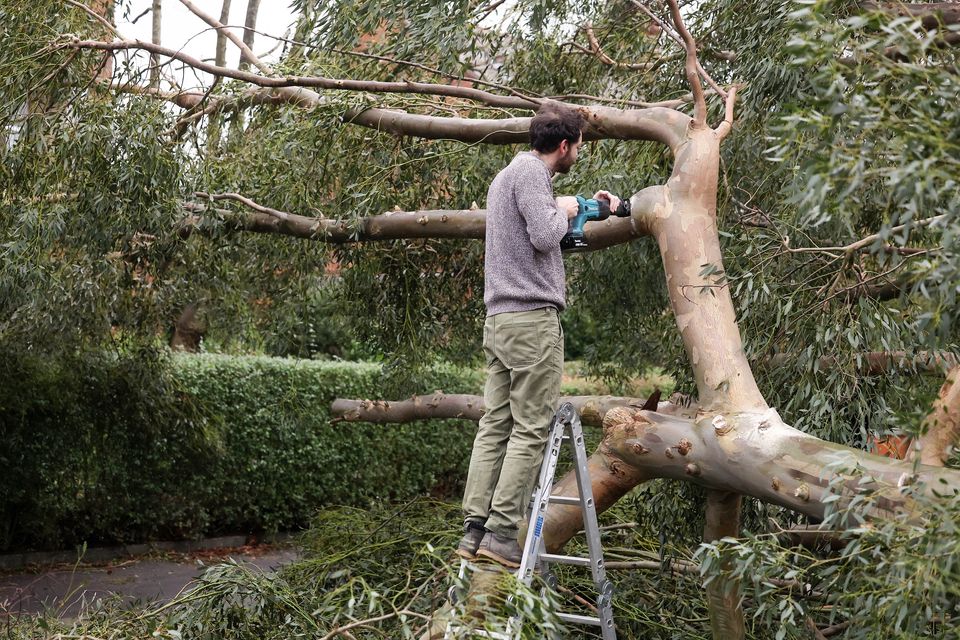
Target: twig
[489,9]
[598,53]
[276,213]
[835,629]
[863,242]
[812,626]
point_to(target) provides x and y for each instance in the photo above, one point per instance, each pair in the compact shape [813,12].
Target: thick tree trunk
[723,597]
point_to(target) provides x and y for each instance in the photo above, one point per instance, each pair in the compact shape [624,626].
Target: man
[524,290]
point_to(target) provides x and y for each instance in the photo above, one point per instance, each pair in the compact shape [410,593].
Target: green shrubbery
[144,446]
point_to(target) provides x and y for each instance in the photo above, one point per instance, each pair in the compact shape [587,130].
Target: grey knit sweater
[523,269]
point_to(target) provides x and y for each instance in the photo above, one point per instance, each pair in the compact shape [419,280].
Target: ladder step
[565,500]
[558,559]
[577,619]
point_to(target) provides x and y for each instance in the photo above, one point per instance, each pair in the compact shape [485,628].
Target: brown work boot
[504,551]
[472,535]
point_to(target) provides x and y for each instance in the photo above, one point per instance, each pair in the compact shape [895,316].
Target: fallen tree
[731,441]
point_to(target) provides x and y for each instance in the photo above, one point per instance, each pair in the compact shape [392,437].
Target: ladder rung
[558,559]
[577,619]
[565,500]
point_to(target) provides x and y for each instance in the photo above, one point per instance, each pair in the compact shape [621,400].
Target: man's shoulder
[525,163]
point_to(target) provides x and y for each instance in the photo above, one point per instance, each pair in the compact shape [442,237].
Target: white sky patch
[181,29]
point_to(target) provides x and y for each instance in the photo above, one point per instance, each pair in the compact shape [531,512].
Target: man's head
[557,131]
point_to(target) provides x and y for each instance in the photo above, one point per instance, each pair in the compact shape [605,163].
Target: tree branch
[440,405]
[597,52]
[690,67]
[932,15]
[398,225]
[372,86]
[245,52]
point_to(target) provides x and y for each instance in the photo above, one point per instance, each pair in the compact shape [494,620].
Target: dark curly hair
[553,124]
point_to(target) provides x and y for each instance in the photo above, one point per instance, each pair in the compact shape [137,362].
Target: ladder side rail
[548,468]
[592,530]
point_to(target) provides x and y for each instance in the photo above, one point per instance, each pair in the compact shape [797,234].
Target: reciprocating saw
[589,210]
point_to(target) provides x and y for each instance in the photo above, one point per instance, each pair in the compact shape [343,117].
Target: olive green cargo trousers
[524,355]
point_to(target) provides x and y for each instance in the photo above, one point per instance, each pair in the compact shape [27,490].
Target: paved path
[136,580]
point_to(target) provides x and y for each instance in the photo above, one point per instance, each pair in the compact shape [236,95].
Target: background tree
[832,205]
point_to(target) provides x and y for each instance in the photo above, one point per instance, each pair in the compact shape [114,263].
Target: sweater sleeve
[546,226]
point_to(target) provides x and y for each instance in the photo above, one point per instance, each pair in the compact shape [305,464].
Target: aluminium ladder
[534,552]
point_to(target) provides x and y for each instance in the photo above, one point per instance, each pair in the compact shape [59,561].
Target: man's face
[569,157]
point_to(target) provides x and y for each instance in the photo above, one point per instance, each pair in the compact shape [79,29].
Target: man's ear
[564,147]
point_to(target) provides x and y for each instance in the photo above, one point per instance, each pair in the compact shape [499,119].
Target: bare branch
[246,54]
[597,51]
[398,225]
[724,128]
[440,405]
[690,67]
[658,124]
[282,215]
[374,86]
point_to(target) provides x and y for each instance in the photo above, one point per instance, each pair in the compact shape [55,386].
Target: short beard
[564,164]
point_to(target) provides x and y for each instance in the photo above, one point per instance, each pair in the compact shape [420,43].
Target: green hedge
[126,449]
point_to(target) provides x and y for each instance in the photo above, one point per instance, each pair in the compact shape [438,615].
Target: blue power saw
[589,210]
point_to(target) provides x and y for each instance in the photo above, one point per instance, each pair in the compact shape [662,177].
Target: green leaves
[143,446]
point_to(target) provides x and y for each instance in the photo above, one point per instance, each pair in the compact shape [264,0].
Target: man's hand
[609,197]
[568,205]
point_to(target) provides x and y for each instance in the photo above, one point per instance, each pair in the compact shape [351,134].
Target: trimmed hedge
[119,450]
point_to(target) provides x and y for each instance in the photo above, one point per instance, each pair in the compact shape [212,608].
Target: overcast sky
[182,29]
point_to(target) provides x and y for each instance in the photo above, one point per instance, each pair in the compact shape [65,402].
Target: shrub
[136,447]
